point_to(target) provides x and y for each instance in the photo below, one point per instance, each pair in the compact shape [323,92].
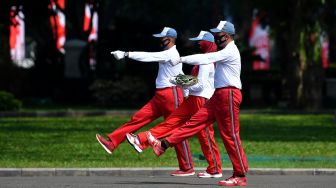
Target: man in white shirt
[198,95]
[166,99]
[222,107]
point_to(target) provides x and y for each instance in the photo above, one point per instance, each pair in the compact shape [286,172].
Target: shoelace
[156,143]
[230,178]
[136,140]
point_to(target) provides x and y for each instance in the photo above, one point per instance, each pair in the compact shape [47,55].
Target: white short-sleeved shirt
[228,65]
[164,58]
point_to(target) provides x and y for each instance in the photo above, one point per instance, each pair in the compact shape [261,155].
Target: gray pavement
[157,177]
[163,181]
[7,172]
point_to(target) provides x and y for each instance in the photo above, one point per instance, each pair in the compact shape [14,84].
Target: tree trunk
[291,76]
[304,74]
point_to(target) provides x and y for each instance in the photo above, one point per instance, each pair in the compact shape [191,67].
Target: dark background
[129,24]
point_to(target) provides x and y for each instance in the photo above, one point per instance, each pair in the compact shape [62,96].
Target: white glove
[172,80]
[118,54]
[185,92]
[174,62]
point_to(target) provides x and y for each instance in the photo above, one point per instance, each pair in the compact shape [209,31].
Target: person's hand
[118,54]
[174,62]
[185,92]
[173,80]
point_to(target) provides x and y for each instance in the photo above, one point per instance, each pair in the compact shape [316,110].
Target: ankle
[239,175]
[165,144]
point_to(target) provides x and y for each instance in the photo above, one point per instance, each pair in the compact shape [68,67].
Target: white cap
[204,35]
[224,26]
[167,32]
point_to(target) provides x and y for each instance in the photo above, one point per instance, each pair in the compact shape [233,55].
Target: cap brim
[215,30]
[158,35]
[195,38]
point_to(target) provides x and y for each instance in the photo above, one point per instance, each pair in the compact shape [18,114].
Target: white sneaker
[189,172]
[207,175]
[134,141]
[155,143]
[234,181]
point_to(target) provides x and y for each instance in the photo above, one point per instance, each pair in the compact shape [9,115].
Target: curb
[26,172]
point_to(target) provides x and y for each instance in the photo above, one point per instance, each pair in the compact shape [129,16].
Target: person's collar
[229,44]
[172,47]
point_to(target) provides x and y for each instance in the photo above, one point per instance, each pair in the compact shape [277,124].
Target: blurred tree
[304,74]
[297,26]
[129,25]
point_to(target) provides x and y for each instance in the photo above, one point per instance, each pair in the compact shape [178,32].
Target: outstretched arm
[149,56]
[201,59]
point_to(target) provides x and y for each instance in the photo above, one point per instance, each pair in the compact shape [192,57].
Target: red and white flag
[325,51]
[91,19]
[91,22]
[17,35]
[259,39]
[57,21]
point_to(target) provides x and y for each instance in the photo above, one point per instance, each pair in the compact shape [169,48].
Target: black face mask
[164,43]
[219,40]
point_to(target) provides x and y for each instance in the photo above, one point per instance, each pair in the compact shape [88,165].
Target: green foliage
[9,102]
[127,91]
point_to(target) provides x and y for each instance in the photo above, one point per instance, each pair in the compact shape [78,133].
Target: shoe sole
[226,185]
[139,150]
[231,185]
[183,175]
[106,149]
[212,176]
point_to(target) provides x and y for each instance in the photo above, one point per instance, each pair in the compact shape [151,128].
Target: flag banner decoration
[57,22]
[91,21]
[17,34]
[90,27]
[259,40]
[324,40]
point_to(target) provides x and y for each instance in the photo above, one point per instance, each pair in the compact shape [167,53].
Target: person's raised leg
[145,115]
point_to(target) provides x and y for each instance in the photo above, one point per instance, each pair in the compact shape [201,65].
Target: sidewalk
[10,172]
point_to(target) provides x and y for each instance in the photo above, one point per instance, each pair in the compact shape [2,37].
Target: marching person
[166,99]
[222,107]
[198,95]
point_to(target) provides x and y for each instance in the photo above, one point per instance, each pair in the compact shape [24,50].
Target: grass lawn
[278,141]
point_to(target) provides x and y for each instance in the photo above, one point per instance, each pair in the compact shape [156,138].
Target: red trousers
[205,136]
[222,107]
[164,102]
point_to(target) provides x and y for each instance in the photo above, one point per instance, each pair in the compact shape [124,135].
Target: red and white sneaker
[234,181]
[134,141]
[189,172]
[106,144]
[155,143]
[207,175]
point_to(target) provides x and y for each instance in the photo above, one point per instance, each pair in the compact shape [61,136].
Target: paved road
[163,181]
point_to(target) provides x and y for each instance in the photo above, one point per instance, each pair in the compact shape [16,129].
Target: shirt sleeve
[149,56]
[203,76]
[201,59]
